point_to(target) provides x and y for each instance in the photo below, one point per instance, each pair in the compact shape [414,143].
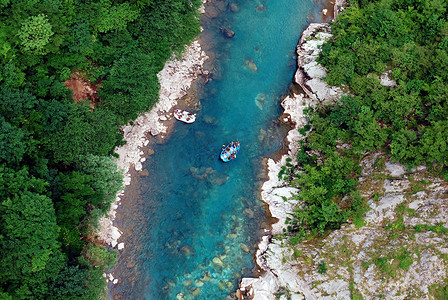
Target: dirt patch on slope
[83,90]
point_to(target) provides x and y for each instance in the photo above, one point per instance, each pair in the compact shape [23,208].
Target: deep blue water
[200,218]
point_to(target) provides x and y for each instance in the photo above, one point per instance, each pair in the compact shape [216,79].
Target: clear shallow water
[199,219]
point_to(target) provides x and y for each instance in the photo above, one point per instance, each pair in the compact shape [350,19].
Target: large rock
[310,75]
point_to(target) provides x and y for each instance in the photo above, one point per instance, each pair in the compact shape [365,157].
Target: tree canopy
[58,173]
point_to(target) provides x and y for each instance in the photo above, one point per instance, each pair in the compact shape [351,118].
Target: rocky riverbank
[309,76]
[175,79]
[400,249]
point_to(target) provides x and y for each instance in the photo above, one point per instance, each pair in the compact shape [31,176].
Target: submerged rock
[218,179]
[195,292]
[206,277]
[244,248]
[187,282]
[222,285]
[260,100]
[249,213]
[211,12]
[233,7]
[201,173]
[144,173]
[261,135]
[261,8]
[210,120]
[250,64]
[218,261]
[170,283]
[228,33]
[187,250]
[198,283]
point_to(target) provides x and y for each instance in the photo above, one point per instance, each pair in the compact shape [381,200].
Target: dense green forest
[57,168]
[408,122]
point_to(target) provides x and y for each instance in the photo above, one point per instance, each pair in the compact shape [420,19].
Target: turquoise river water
[192,225]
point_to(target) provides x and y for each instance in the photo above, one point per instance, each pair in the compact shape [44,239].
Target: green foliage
[390,41]
[439,292]
[132,86]
[321,189]
[162,37]
[12,75]
[30,253]
[322,268]
[35,34]
[70,284]
[76,192]
[99,257]
[40,229]
[12,143]
[113,17]
[57,175]
[358,207]
[439,228]
[82,40]
[106,178]
[407,121]
[85,132]
[390,264]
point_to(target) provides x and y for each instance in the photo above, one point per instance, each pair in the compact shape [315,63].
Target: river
[192,223]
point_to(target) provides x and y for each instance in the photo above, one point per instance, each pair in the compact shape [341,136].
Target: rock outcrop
[310,73]
[397,251]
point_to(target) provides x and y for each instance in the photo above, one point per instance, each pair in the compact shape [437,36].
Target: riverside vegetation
[405,122]
[57,170]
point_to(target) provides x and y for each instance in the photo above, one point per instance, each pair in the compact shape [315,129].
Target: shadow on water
[190,222]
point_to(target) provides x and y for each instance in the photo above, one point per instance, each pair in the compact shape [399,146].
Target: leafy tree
[106,178]
[434,143]
[99,257]
[132,86]
[85,132]
[70,284]
[12,76]
[76,192]
[12,143]
[35,34]
[166,26]
[82,40]
[17,106]
[114,17]
[30,250]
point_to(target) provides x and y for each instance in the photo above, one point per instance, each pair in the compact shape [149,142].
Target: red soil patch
[83,90]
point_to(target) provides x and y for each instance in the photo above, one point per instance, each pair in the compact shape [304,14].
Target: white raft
[184,116]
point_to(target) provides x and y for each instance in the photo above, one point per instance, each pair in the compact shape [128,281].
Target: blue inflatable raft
[230,151]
